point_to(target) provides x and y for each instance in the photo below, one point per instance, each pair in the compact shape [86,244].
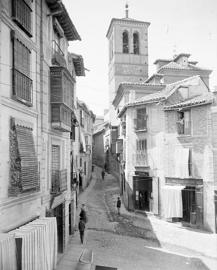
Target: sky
[184,26]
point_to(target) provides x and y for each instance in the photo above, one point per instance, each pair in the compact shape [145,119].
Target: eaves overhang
[78,64]
[59,11]
[134,86]
[139,103]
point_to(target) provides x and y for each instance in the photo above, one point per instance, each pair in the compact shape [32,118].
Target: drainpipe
[41,79]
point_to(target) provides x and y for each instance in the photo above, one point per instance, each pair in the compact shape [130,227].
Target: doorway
[189,203]
[58,213]
[142,190]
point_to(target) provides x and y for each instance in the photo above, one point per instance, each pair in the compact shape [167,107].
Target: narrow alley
[131,240]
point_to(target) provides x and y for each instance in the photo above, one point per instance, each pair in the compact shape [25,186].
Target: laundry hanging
[181,162]
[172,201]
[7,252]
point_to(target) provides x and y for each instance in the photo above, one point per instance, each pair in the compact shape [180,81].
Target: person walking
[103,174]
[81,227]
[118,205]
[83,214]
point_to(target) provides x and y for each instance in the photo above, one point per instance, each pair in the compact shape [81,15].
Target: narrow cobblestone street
[127,241]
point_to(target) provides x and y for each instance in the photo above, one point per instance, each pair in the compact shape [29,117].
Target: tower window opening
[125,42]
[135,43]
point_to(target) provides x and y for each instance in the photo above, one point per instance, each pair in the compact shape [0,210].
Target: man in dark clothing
[103,174]
[83,214]
[81,227]
[118,205]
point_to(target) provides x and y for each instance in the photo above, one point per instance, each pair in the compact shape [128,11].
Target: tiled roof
[174,65]
[155,75]
[161,95]
[195,101]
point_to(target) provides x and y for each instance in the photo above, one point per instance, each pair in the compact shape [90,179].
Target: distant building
[86,120]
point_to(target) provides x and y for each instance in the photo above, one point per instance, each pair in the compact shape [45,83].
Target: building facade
[169,132]
[86,120]
[38,101]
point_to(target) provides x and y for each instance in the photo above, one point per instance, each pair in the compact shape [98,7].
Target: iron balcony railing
[56,48]
[22,87]
[59,181]
[58,57]
[140,158]
[184,127]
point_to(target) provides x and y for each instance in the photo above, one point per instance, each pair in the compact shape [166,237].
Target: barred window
[22,84]
[21,14]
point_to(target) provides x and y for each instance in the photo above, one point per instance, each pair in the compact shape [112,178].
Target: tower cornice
[125,21]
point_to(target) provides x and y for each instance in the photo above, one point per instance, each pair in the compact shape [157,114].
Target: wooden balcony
[61,117]
[22,87]
[59,181]
[62,93]
[58,57]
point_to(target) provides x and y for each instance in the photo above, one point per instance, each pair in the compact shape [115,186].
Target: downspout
[41,81]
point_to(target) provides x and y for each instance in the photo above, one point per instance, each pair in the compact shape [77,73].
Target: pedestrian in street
[83,213]
[103,174]
[118,205]
[81,227]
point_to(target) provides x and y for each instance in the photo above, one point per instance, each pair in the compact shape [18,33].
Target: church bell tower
[128,54]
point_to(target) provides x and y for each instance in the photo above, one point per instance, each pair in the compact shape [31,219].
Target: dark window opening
[184,123]
[141,120]
[125,42]
[136,43]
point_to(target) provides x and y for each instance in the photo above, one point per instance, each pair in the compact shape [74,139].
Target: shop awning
[172,201]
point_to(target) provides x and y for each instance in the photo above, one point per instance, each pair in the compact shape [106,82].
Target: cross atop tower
[126,10]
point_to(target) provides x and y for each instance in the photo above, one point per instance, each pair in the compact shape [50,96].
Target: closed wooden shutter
[55,157]
[199,205]
[29,163]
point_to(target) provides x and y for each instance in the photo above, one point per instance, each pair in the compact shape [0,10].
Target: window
[184,123]
[22,84]
[85,168]
[21,14]
[125,42]
[141,120]
[81,118]
[141,145]
[23,160]
[135,43]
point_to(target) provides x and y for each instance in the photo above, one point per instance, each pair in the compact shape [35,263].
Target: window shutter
[29,163]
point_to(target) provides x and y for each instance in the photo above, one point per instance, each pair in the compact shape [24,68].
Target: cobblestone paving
[125,241]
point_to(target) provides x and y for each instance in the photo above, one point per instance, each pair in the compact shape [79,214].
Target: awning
[172,201]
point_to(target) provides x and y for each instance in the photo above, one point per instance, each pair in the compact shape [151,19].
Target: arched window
[125,42]
[135,43]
